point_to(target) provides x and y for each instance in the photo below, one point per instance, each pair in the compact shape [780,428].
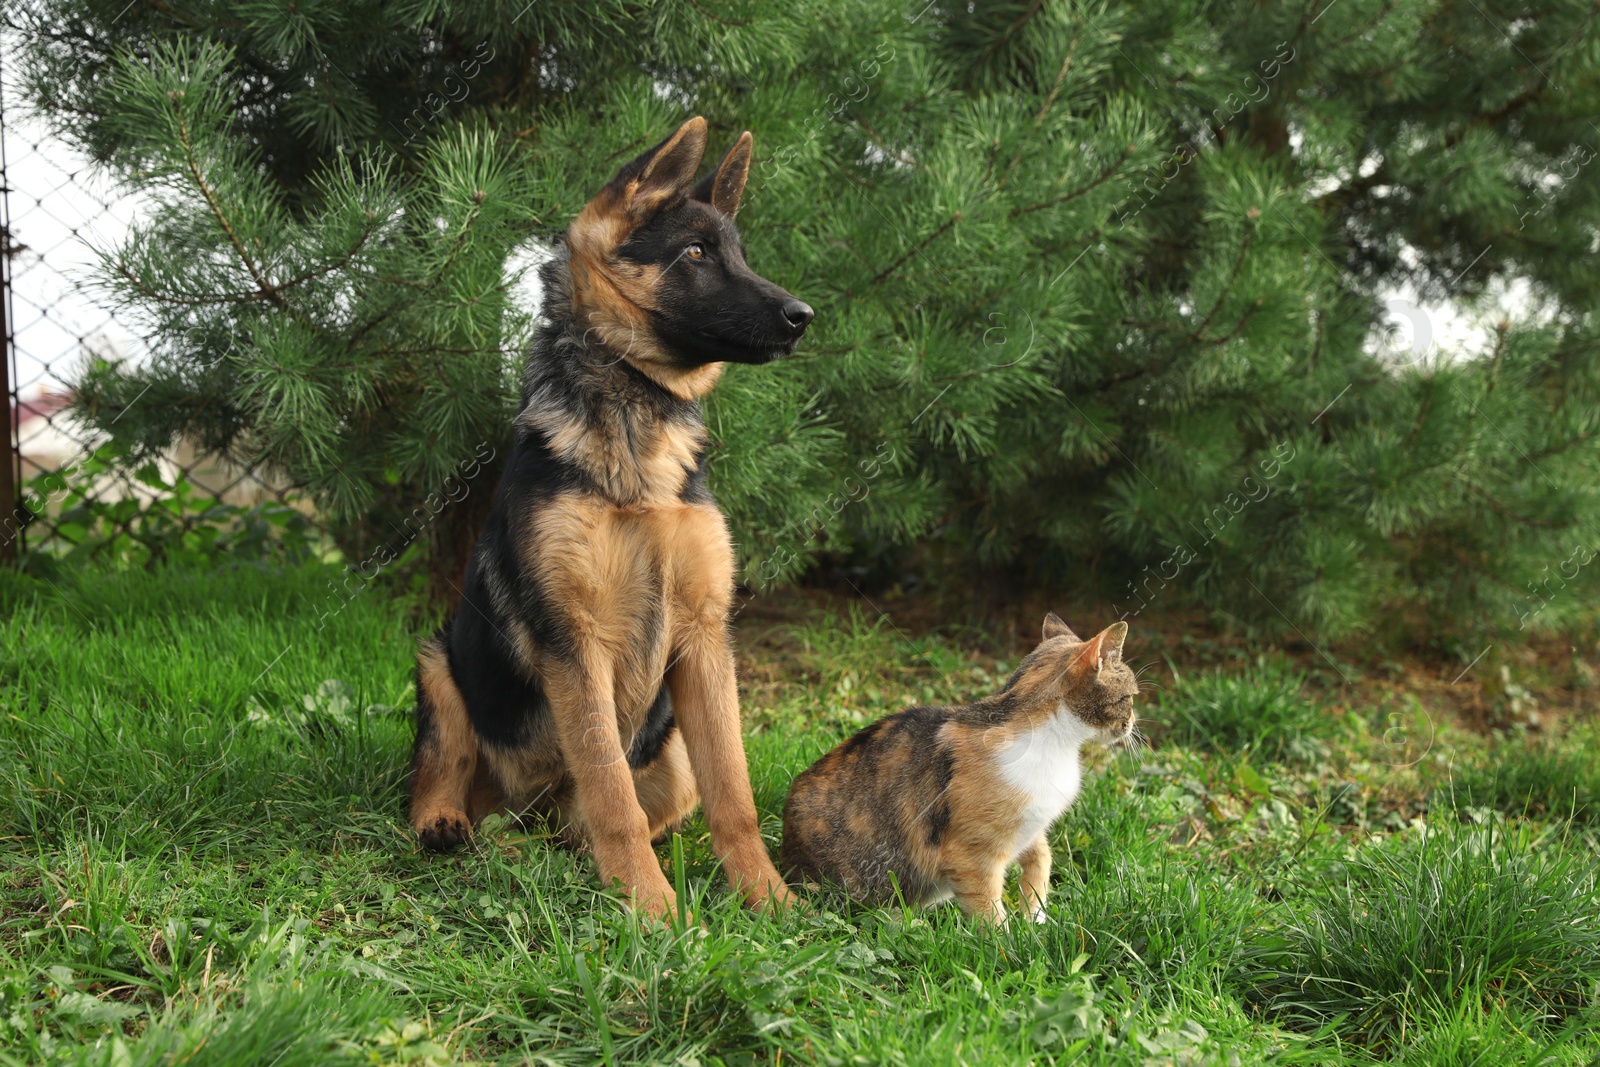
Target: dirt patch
[1535,686]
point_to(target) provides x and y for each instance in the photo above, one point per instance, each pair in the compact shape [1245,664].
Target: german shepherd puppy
[588,673]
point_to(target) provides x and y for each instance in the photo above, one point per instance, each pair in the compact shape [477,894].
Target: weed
[1536,777]
[1262,710]
[1480,915]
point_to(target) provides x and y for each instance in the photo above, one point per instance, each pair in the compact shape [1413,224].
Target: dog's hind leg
[665,787]
[485,797]
[444,764]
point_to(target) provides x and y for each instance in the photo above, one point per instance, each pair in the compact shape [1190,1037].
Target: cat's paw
[991,914]
[1039,916]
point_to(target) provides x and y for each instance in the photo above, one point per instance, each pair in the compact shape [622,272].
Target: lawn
[203,859]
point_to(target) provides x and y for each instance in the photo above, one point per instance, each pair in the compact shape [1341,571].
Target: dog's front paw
[443,830]
[772,895]
[651,897]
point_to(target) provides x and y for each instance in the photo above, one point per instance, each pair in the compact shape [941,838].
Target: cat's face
[1088,677]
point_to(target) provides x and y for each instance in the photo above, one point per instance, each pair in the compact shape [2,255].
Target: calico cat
[946,798]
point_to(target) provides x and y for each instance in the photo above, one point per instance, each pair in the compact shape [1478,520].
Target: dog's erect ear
[663,174]
[723,187]
[1054,627]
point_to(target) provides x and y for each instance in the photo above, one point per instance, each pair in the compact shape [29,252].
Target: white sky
[60,209]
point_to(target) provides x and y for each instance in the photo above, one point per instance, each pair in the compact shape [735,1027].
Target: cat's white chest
[1042,764]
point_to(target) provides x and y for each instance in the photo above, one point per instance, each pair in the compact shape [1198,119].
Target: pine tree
[1097,284]
[364,346]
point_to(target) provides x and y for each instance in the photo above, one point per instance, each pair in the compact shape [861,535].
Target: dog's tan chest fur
[629,471]
[613,571]
[633,585]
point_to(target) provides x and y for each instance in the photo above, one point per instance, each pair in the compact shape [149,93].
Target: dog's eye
[696,251]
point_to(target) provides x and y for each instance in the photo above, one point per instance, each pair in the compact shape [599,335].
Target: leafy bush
[1262,710]
[175,522]
[1466,914]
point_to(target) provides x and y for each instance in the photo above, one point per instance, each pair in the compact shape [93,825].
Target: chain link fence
[60,491]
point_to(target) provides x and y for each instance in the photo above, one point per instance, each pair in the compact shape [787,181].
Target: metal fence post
[10,450]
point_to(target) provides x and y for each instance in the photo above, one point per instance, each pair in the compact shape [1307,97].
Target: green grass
[1469,916]
[203,859]
[1262,711]
[1539,778]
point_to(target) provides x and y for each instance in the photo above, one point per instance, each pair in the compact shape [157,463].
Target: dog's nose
[798,314]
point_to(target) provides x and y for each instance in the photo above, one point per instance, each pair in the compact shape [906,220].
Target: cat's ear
[1090,657]
[1114,635]
[1054,627]
[1086,658]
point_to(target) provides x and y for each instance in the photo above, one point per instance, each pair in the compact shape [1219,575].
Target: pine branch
[918,249]
[263,285]
[1106,175]
[1233,276]
[1012,30]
